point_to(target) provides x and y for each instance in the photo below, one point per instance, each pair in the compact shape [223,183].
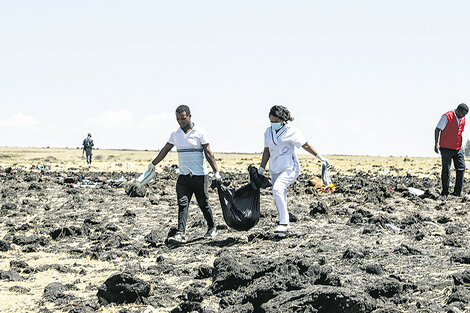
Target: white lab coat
[282,147]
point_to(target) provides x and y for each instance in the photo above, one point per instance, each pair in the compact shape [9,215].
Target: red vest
[451,136]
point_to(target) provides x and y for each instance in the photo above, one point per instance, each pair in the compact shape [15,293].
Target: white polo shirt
[282,147]
[190,151]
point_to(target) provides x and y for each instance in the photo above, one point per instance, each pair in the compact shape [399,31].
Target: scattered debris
[416,191]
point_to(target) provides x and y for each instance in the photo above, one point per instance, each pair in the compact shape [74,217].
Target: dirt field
[137,161]
[372,246]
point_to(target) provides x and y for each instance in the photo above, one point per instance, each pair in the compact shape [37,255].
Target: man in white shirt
[192,146]
[448,141]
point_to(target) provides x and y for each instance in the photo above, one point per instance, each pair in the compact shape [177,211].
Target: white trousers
[280,183]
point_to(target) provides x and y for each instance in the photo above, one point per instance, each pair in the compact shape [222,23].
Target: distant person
[88,148]
[192,145]
[448,140]
[280,141]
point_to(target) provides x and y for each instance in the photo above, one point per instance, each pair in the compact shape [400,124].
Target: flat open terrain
[371,246]
[137,161]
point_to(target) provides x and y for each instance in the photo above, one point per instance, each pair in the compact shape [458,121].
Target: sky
[360,77]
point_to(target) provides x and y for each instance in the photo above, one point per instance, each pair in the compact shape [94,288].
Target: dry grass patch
[138,160]
[96,272]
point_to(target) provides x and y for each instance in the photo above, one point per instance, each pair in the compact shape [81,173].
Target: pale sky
[360,77]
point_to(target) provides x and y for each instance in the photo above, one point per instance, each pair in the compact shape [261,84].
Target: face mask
[276,126]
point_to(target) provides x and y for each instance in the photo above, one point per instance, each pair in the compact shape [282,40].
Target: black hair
[462,107]
[281,112]
[183,108]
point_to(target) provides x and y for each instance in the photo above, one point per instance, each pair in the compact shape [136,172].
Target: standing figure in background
[280,141]
[448,140]
[88,148]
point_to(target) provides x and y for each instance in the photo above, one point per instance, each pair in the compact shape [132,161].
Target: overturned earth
[90,241]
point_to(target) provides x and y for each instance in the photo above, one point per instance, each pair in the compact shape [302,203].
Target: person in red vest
[448,140]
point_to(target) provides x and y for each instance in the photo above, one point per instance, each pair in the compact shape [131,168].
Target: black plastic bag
[241,207]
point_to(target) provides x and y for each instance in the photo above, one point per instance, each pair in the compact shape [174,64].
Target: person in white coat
[280,142]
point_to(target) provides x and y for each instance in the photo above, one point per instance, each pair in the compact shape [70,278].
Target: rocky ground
[85,242]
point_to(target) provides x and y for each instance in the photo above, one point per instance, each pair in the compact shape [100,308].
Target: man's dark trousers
[447,155]
[89,155]
[186,185]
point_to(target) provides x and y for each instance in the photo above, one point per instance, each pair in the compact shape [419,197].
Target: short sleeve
[203,137]
[172,139]
[442,122]
[266,138]
[298,138]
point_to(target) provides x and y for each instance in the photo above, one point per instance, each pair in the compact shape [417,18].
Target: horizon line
[220,152]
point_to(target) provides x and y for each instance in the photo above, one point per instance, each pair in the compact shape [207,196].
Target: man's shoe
[211,233]
[177,238]
[282,229]
[454,196]
[443,198]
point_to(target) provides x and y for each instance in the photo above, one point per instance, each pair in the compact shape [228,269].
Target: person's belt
[191,175]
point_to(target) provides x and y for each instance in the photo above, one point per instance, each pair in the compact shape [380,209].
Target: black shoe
[211,233]
[177,238]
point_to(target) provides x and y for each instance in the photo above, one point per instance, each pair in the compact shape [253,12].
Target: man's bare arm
[210,157]
[162,154]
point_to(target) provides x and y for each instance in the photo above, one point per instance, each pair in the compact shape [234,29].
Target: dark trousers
[89,155]
[447,155]
[186,186]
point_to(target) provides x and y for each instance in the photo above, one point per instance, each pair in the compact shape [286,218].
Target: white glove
[322,159]
[151,167]
[260,170]
[217,176]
